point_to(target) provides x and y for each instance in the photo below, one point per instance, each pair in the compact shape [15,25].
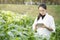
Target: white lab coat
[48,20]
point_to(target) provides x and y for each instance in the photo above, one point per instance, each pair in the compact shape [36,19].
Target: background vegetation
[35,2]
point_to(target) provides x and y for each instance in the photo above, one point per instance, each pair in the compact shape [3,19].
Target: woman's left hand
[44,26]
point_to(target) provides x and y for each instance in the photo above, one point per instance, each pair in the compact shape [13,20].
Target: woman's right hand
[35,28]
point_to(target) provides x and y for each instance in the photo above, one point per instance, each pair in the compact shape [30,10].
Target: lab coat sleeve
[35,22]
[52,24]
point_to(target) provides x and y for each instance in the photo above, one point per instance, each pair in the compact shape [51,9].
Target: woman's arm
[44,26]
[51,25]
[50,29]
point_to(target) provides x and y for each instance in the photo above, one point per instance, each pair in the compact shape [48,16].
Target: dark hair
[38,17]
[41,5]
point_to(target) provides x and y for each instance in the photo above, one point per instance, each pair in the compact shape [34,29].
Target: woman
[46,22]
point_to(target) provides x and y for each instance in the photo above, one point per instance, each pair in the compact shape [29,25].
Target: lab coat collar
[45,16]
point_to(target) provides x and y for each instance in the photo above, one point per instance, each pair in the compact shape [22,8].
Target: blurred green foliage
[15,26]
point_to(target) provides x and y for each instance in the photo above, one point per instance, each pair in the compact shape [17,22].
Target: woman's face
[42,11]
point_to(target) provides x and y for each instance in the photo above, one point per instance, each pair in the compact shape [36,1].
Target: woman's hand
[44,26]
[35,28]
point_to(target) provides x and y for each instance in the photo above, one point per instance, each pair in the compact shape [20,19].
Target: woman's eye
[41,10]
